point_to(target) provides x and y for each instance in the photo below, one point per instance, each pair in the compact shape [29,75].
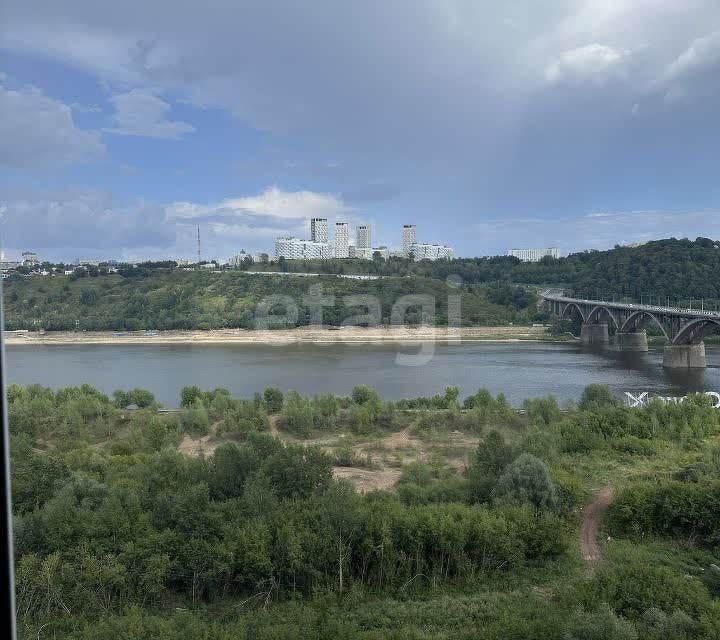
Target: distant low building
[30,259]
[369,253]
[534,255]
[422,251]
[296,249]
[237,260]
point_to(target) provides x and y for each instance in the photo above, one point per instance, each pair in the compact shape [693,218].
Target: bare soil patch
[365,480]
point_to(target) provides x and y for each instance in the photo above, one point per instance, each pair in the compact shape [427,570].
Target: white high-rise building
[534,255]
[364,236]
[296,249]
[342,240]
[30,259]
[319,229]
[422,251]
[409,238]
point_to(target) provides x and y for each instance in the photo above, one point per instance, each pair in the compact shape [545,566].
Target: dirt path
[272,425]
[592,517]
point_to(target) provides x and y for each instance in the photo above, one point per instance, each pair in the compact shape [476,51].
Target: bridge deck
[668,311]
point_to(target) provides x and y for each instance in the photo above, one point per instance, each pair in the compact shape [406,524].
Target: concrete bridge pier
[684,356]
[594,333]
[635,341]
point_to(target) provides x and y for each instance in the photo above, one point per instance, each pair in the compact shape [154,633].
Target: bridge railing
[559,296]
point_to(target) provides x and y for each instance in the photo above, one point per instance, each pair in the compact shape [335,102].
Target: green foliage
[526,481]
[670,508]
[169,299]
[194,419]
[273,400]
[601,624]
[596,396]
[118,534]
[658,625]
[140,397]
[492,457]
[632,587]
[542,411]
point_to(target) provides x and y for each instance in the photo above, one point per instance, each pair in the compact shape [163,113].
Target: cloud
[599,230]
[695,71]
[83,220]
[36,130]
[272,203]
[590,62]
[470,106]
[141,113]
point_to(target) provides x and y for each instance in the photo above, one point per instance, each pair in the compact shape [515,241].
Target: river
[520,370]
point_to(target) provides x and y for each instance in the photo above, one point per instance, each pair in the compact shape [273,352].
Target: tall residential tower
[342,239]
[319,229]
[364,236]
[409,238]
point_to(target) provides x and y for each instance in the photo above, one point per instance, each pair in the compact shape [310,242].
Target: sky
[579,124]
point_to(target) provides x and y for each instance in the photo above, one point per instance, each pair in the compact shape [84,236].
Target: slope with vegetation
[675,269]
[120,534]
[170,299]
[494,291]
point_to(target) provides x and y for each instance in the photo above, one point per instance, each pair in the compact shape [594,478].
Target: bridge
[683,329]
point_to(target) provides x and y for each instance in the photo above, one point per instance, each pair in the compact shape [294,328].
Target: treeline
[169,299]
[672,268]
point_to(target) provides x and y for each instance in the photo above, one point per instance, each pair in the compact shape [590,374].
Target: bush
[492,457]
[672,508]
[601,624]
[596,396]
[273,399]
[526,481]
[634,587]
[195,419]
[634,446]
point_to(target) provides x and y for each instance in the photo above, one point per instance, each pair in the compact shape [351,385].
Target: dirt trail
[592,517]
[272,425]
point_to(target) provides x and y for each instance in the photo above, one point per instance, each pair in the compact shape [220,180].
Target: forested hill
[162,297]
[675,269]
[173,299]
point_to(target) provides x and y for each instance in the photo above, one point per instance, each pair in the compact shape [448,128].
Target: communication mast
[198,244]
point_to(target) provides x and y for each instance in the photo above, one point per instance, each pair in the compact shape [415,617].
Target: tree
[141,397]
[492,457]
[340,517]
[195,419]
[273,399]
[526,480]
[188,395]
[596,396]
[362,394]
[89,297]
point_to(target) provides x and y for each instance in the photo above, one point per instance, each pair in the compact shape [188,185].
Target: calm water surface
[520,370]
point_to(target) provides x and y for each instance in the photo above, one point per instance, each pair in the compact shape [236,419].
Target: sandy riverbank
[280,337]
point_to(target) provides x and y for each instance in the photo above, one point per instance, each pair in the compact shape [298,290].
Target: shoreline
[313,335]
